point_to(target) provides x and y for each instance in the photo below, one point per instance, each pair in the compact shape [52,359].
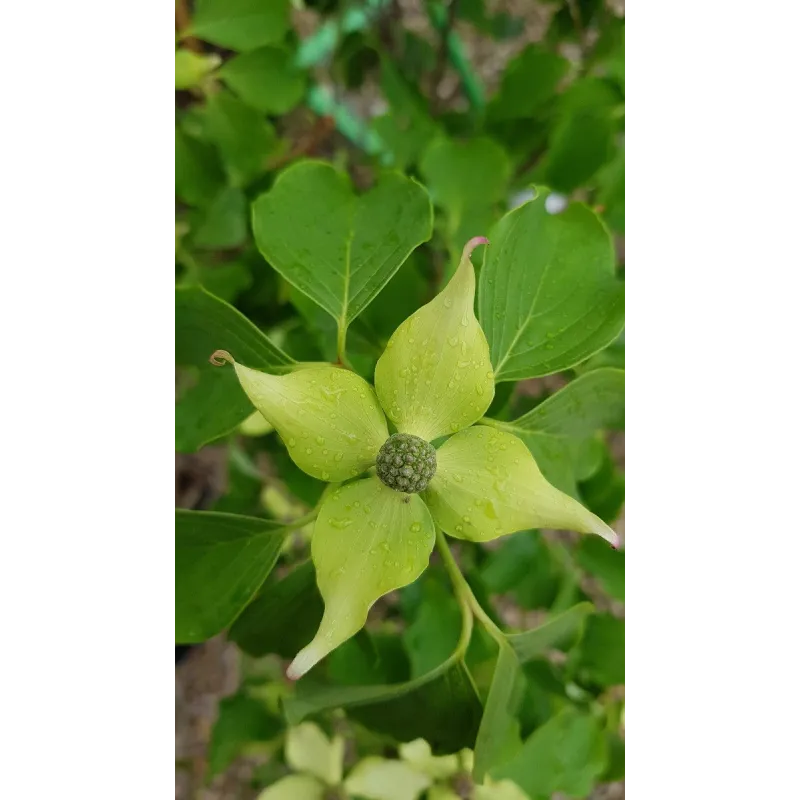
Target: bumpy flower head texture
[375,534]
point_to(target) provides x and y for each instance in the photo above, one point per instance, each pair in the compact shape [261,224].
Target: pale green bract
[434,379]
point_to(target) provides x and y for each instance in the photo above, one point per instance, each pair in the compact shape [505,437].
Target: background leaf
[220,561]
[548,297]
[283,617]
[216,406]
[242,720]
[566,754]
[240,24]
[265,79]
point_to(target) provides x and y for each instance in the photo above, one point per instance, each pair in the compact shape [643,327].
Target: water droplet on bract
[338,457]
[457,478]
[320,440]
[356,504]
[325,452]
[479,388]
[465,519]
[344,522]
[292,442]
[309,451]
[448,303]
[464,321]
[415,526]
[459,528]
[452,341]
[326,476]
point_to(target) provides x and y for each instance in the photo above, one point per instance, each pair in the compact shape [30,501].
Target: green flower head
[376,534]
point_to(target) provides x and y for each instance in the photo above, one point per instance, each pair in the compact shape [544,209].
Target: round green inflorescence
[406,463]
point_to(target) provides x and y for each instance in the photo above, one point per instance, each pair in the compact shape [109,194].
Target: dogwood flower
[375,534]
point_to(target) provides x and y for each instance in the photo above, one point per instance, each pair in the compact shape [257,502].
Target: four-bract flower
[376,534]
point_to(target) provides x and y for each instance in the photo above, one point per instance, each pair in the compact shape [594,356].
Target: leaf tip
[474,242]
[221,357]
[308,657]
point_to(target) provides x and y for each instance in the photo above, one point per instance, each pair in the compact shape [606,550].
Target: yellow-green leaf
[329,418]
[368,540]
[309,750]
[487,485]
[383,779]
[294,787]
[435,376]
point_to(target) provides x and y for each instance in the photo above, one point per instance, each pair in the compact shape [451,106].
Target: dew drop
[344,522]
[415,526]
[320,440]
[292,442]
[309,451]
[338,457]
[448,303]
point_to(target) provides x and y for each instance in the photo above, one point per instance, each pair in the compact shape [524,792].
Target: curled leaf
[368,540]
[329,418]
[487,485]
[435,376]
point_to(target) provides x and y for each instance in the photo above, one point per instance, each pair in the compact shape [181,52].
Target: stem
[463,591]
[341,347]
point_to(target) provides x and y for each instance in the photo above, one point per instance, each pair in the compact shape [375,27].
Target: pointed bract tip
[304,660]
[474,242]
[221,357]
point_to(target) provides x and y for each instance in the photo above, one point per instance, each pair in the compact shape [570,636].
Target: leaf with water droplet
[343,264]
[524,499]
[294,404]
[437,398]
[359,558]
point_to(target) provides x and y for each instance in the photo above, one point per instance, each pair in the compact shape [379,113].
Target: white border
[86,318]
[713,333]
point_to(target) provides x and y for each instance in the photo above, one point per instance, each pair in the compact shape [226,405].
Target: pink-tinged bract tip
[472,244]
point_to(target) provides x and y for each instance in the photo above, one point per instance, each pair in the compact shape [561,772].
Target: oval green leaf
[220,561]
[548,296]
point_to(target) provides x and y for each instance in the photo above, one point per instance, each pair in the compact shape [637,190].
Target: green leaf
[433,634]
[328,417]
[582,137]
[404,139]
[608,566]
[368,540]
[220,561]
[242,720]
[548,296]
[488,485]
[240,24]
[601,658]
[265,79]
[338,248]
[222,224]
[243,136]
[441,706]
[498,736]
[434,378]
[463,175]
[558,630]
[199,176]
[567,754]
[309,750]
[529,81]
[592,401]
[191,68]
[217,405]
[377,778]
[604,491]
[282,618]
[226,281]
